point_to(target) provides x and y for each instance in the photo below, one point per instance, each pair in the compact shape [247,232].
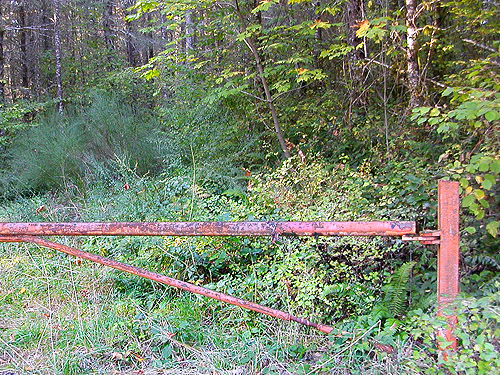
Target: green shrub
[213,141]
[68,151]
[477,331]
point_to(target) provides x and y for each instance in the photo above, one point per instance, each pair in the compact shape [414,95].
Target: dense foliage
[246,110]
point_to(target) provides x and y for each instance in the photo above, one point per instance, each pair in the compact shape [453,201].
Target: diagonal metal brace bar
[169,281]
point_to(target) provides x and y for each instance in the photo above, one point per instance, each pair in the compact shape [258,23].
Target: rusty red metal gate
[446,237]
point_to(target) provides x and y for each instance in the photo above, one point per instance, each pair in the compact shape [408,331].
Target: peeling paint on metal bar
[262,228]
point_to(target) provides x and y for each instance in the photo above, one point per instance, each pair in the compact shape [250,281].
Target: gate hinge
[426,237]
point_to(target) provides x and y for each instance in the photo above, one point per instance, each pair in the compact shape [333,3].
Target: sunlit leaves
[363,27]
[141,7]
[264,5]
[335,51]
[376,29]
[318,24]
[478,181]
[305,75]
[492,228]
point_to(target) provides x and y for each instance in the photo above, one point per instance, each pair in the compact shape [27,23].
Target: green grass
[60,315]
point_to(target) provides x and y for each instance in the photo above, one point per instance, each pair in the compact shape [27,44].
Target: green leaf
[447,91]
[487,184]
[495,166]
[468,200]
[484,203]
[484,166]
[152,73]
[470,230]
[492,228]
[479,193]
[166,352]
[491,116]
[434,112]
[488,181]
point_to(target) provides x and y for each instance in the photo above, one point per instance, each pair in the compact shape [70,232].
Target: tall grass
[69,151]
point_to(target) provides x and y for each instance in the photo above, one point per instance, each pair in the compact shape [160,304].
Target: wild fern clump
[64,151]
[397,289]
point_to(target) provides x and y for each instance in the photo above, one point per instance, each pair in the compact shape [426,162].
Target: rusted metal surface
[262,228]
[431,237]
[168,281]
[448,256]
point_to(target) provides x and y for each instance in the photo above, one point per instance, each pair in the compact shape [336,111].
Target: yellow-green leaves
[478,180]
[263,6]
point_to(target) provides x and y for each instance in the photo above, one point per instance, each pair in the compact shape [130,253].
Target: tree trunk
[413,74]
[356,92]
[57,46]
[318,34]
[354,14]
[22,47]
[189,31]
[250,42]
[149,49]
[107,23]
[129,41]
[2,59]
[46,37]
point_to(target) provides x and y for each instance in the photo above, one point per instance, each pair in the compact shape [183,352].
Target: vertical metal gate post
[447,259]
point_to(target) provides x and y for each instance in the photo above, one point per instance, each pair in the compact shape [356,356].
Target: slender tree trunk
[354,14]
[130,47]
[318,34]
[164,32]
[129,42]
[46,37]
[57,46]
[250,42]
[189,31]
[149,53]
[2,59]
[107,23]
[22,47]
[413,74]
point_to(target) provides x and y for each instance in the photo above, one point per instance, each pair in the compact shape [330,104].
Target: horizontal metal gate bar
[446,238]
[248,228]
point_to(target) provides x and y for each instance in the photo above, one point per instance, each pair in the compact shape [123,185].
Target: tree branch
[483,46]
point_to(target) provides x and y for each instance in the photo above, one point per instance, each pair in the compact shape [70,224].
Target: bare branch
[483,46]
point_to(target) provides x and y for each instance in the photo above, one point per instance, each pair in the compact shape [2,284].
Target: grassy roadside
[64,316]
[60,315]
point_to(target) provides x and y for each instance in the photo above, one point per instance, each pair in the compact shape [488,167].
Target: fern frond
[397,289]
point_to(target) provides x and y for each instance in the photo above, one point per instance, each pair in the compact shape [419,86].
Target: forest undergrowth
[61,315]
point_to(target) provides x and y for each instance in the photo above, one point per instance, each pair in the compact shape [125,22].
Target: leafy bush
[313,272]
[466,122]
[477,331]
